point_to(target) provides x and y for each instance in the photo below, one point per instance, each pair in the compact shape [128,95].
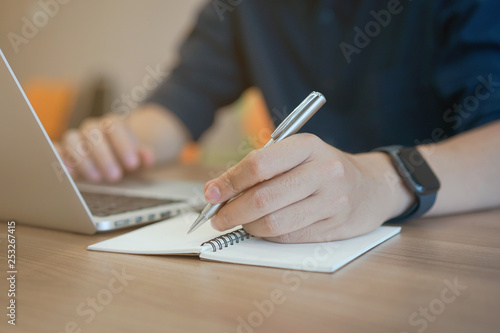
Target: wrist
[160,130]
[392,195]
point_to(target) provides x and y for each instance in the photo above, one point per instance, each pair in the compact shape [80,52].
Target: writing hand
[304,190]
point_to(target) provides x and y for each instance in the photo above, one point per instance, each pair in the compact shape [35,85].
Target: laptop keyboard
[109,204]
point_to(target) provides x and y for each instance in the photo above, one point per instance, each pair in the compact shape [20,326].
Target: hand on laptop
[105,149]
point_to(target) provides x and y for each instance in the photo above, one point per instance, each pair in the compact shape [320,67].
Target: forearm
[468,167]
[160,130]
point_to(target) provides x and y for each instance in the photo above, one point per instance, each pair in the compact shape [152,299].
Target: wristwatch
[417,176]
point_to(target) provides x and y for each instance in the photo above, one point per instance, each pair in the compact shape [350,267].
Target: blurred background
[80,58]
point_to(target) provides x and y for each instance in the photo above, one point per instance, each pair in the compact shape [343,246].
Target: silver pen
[289,126]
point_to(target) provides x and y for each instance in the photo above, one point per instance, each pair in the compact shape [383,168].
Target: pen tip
[199,221]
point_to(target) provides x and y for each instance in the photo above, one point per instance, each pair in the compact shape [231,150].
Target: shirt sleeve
[468,62]
[209,74]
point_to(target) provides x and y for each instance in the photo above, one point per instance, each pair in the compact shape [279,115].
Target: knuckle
[283,239]
[303,236]
[92,134]
[262,198]
[111,117]
[228,183]
[300,214]
[334,167]
[312,143]
[338,230]
[89,123]
[70,136]
[343,200]
[270,225]
[255,165]
[310,139]
[109,122]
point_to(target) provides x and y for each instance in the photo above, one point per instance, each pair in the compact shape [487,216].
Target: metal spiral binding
[227,239]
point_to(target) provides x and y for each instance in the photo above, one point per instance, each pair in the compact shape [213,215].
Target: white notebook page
[166,237]
[320,257]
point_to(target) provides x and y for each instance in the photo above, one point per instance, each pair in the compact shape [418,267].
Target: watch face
[421,175]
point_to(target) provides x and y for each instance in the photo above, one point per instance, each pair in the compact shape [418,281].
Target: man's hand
[304,190]
[104,149]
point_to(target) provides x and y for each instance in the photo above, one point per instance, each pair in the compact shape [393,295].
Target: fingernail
[131,160]
[207,184]
[147,157]
[94,174]
[114,173]
[212,194]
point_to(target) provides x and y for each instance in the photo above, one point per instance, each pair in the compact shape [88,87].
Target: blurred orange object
[53,102]
[191,153]
[256,122]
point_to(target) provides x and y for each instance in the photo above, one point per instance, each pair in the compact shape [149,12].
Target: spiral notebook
[237,246]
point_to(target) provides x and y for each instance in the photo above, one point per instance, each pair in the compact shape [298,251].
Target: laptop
[37,190]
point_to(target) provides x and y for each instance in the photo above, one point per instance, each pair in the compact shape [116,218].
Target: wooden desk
[403,285]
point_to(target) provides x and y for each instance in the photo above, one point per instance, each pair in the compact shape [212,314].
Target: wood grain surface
[438,275]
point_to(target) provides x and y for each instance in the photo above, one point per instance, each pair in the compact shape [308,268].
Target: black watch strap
[423,204]
[417,176]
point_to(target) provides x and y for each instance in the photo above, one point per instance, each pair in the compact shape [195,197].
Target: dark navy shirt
[393,72]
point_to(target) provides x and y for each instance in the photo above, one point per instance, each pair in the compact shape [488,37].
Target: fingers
[260,165]
[266,198]
[79,162]
[130,153]
[101,152]
[104,149]
[289,219]
[146,156]
[323,231]
[123,144]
